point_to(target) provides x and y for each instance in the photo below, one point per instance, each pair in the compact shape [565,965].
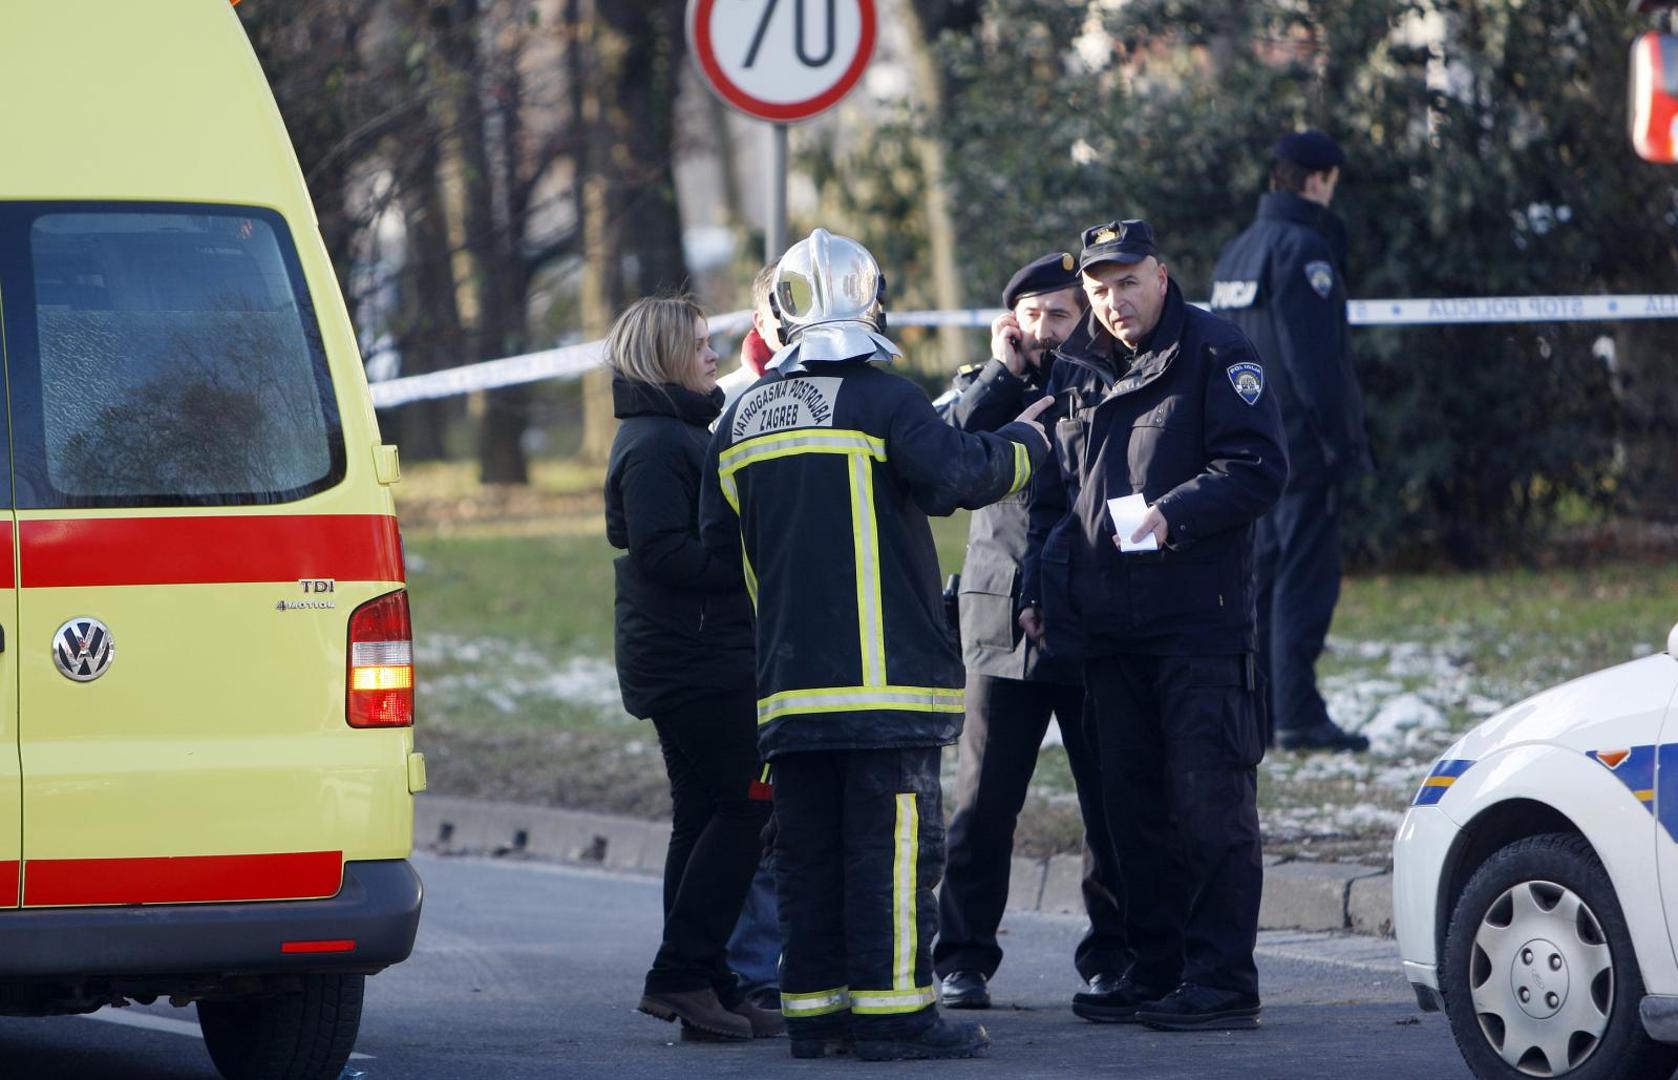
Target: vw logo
[82,649]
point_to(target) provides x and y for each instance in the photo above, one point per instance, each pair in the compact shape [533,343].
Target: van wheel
[1539,976]
[296,1036]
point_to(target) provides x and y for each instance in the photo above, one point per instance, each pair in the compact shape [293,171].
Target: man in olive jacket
[1012,688]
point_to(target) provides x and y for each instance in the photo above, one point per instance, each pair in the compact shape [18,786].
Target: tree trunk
[626,68]
[429,332]
[498,273]
[930,18]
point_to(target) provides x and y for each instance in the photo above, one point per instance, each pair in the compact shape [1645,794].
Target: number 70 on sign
[781,60]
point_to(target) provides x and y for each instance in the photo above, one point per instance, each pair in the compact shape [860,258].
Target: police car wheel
[1539,976]
[292,1036]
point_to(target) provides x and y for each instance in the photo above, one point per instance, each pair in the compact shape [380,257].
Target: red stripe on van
[183,880]
[61,552]
[8,580]
[9,876]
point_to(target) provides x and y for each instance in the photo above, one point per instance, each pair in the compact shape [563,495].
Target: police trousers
[1179,740]
[1006,721]
[859,849]
[1297,567]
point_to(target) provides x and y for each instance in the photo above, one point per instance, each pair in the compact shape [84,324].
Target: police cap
[1128,241]
[1311,148]
[1051,273]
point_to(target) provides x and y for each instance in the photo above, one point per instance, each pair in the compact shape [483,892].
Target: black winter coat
[1283,282]
[987,396]
[1188,422]
[683,624]
[821,482]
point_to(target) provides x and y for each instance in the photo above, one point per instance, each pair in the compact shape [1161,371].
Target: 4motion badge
[82,649]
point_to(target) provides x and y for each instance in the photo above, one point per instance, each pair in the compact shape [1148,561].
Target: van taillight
[380,687]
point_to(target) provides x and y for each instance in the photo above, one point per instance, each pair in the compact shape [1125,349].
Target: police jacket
[819,484]
[1283,282]
[682,623]
[985,397]
[1188,421]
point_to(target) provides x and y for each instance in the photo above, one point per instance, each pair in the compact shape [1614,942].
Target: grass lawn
[512,602]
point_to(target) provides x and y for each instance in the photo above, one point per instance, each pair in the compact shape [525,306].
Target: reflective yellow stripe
[1022,467]
[865,537]
[1439,781]
[800,441]
[854,698]
[751,575]
[887,1002]
[730,491]
[1646,795]
[819,1003]
[905,839]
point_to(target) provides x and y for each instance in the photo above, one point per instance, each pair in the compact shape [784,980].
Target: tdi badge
[1321,276]
[1248,380]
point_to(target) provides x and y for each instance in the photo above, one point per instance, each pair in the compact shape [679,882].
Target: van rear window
[177,361]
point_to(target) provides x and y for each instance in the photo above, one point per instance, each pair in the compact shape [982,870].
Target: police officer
[819,480]
[1012,688]
[1283,281]
[1171,404]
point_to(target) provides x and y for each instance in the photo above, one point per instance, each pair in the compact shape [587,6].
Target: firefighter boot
[939,1040]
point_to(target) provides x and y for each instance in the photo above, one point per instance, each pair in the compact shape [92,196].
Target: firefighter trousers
[859,850]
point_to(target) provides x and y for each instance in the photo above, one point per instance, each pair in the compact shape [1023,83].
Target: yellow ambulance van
[206,679]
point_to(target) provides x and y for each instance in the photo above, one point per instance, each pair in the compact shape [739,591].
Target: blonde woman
[685,660]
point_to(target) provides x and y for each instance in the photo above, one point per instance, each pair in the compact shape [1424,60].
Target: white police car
[1529,874]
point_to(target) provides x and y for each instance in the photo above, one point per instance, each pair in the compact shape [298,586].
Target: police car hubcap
[1541,978]
[82,649]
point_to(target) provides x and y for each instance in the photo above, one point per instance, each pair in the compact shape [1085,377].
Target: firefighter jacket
[819,483]
[1187,421]
[983,398]
[1283,282]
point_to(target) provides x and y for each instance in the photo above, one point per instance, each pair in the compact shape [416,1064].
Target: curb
[1298,894]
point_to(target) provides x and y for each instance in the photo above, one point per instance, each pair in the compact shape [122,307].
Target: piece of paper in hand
[1127,514]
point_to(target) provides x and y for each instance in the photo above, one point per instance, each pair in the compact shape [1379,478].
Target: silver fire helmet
[830,298]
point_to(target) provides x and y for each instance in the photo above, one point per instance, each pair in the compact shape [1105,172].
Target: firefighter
[1012,688]
[819,480]
[1169,403]
[1283,281]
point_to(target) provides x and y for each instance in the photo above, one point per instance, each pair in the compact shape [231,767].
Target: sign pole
[775,224]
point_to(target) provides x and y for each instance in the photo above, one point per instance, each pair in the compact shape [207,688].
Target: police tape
[573,360]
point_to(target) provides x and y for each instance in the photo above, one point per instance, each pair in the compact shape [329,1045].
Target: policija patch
[1321,276]
[1248,380]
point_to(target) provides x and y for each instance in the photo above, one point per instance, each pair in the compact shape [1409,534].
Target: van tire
[297,1036]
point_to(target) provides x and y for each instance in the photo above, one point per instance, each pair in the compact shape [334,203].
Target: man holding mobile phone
[1012,688]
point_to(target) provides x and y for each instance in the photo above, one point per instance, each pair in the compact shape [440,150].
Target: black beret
[1128,241]
[1312,149]
[1051,273]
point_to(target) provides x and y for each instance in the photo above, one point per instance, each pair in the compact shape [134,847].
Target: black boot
[939,1040]
[1192,1007]
[964,990]
[1324,736]
[1113,999]
[837,1045]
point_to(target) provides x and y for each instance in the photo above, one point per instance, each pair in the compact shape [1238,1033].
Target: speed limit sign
[782,60]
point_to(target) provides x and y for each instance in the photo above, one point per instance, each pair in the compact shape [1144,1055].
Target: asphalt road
[531,971]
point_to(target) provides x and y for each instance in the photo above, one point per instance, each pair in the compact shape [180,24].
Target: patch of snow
[1403,722]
